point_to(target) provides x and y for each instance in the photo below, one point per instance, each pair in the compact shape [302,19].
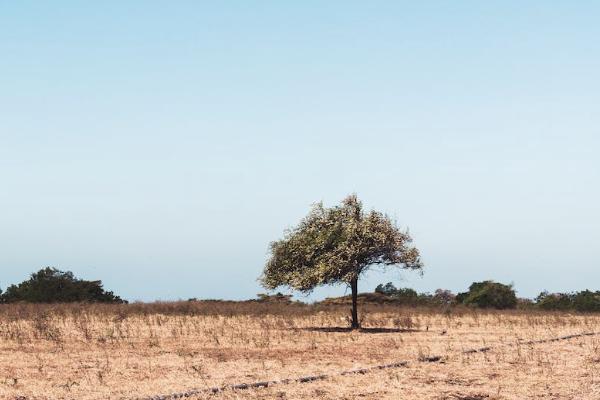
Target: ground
[139,351]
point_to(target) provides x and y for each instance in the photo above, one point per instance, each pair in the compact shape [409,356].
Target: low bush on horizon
[50,285]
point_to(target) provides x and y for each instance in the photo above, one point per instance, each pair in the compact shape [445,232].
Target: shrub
[586,301]
[489,294]
[554,301]
[49,285]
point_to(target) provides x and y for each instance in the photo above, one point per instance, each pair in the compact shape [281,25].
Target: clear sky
[160,146]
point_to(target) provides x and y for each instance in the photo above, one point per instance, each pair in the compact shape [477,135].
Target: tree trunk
[354,287]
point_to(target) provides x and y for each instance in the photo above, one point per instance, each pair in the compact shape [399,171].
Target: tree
[489,294]
[50,285]
[337,245]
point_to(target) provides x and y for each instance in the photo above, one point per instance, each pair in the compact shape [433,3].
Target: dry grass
[132,351]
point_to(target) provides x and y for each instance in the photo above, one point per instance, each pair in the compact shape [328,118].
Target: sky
[161,146]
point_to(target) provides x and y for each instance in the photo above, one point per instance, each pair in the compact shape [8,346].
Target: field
[142,350]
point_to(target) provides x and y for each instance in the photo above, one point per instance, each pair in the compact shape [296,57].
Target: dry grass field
[142,350]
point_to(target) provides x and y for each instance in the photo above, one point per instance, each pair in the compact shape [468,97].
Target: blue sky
[160,146]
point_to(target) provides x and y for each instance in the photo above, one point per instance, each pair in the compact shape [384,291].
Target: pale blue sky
[160,146]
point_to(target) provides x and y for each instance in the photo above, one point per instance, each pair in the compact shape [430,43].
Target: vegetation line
[312,378]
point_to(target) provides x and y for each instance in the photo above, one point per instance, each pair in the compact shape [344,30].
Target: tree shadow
[341,329]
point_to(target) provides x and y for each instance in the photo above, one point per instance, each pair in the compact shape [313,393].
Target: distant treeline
[50,285]
[490,294]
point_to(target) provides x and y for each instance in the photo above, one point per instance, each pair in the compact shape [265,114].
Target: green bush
[554,301]
[389,289]
[411,297]
[406,294]
[586,301]
[489,294]
[49,285]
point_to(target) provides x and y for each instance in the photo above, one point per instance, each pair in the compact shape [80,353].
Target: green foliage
[584,301]
[49,285]
[489,294]
[554,301]
[402,295]
[408,296]
[336,245]
[388,289]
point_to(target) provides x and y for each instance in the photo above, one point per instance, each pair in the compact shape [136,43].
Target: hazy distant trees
[405,296]
[489,294]
[554,301]
[50,285]
[274,298]
[583,301]
[337,245]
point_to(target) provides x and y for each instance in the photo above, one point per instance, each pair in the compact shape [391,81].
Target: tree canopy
[336,245]
[50,285]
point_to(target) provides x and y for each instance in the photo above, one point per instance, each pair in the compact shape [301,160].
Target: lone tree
[336,245]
